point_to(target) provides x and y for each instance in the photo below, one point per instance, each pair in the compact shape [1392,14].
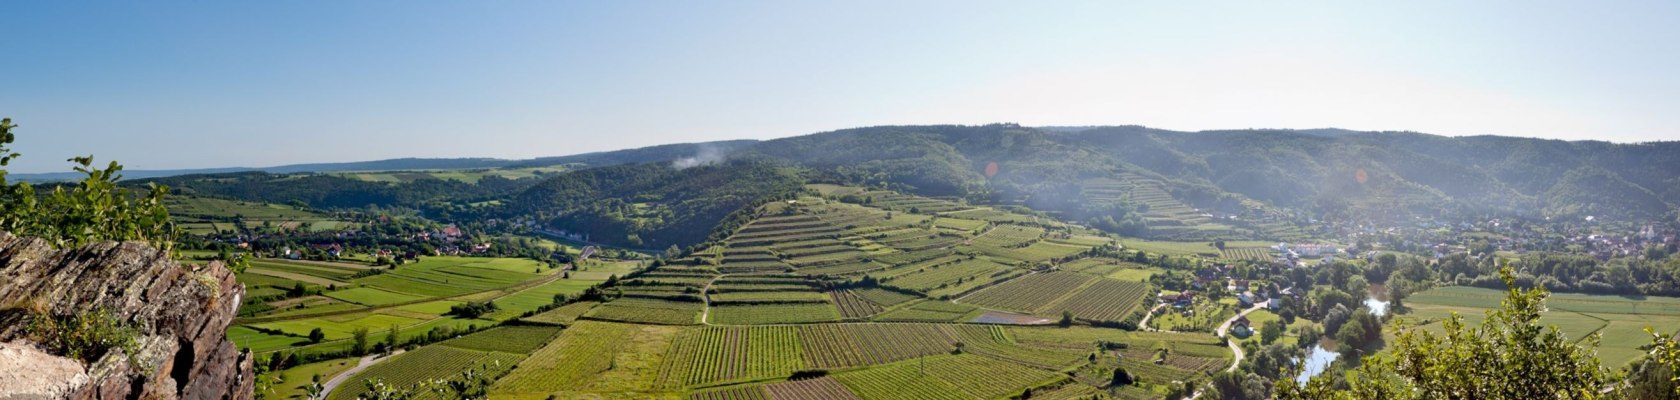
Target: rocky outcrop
[181,314]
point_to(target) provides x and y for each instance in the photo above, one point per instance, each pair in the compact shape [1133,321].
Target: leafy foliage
[473,309]
[92,211]
[83,336]
[1510,356]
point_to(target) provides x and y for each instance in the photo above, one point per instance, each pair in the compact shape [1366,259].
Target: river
[1317,360]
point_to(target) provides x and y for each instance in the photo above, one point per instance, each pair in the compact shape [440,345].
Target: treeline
[1657,274]
[331,192]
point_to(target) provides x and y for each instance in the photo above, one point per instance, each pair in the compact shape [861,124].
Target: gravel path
[366,361]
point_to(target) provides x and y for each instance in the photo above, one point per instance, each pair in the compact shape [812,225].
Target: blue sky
[206,84]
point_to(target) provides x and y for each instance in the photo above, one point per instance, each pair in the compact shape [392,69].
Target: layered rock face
[181,314]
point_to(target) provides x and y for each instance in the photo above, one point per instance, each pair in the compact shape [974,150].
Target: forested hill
[1404,174]
[653,205]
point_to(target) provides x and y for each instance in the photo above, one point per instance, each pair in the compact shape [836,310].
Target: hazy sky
[206,84]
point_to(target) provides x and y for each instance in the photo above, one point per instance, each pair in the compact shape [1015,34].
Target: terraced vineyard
[584,350]
[650,311]
[931,311]
[427,364]
[946,377]
[774,314]
[726,354]
[854,306]
[563,315]
[954,277]
[876,296]
[1105,300]
[1250,253]
[810,389]
[1167,217]
[1031,293]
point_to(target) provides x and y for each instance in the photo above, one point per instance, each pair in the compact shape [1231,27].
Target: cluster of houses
[1293,254]
[1605,247]
[450,235]
[1248,294]
[1593,237]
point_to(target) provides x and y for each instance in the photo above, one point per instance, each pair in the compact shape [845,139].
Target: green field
[1170,248]
[414,297]
[1622,321]
[203,215]
[291,382]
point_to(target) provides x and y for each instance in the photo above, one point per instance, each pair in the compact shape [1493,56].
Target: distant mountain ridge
[1263,184]
[659,152]
[1364,175]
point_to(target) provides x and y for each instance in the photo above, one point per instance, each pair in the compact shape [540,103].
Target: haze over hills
[1132,180]
[667,151]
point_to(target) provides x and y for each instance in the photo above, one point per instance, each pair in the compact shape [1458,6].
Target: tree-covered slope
[653,205]
[1361,174]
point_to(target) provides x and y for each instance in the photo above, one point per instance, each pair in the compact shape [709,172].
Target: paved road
[1235,349]
[366,361]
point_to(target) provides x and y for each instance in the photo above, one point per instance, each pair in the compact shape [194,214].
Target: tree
[1239,386]
[1121,378]
[1310,335]
[1352,337]
[473,309]
[1334,319]
[1650,379]
[316,336]
[377,389]
[1510,356]
[1665,352]
[360,336]
[314,389]
[1270,331]
[391,338]
[1067,318]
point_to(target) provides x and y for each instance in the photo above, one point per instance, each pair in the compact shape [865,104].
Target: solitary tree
[391,338]
[1271,331]
[360,336]
[316,336]
[1121,378]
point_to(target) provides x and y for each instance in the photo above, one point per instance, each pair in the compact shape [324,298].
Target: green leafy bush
[94,210]
[84,336]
